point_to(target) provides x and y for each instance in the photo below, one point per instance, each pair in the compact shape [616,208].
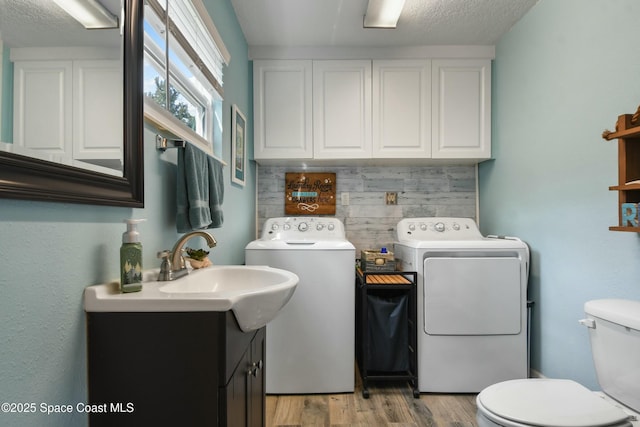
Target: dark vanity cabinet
[166,369]
[244,392]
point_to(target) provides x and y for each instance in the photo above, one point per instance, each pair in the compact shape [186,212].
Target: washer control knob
[423,227]
[456,226]
[274,226]
[330,227]
[439,227]
[319,227]
[303,226]
[286,226]
[412,227]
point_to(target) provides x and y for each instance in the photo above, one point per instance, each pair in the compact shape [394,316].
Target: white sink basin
[255,294]
[227,279]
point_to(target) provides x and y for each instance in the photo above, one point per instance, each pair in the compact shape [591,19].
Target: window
[183,72]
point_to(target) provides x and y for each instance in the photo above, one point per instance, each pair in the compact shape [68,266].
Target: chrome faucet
[173,264]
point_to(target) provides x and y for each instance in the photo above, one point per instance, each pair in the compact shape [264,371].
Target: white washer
[472,303]
[311,343]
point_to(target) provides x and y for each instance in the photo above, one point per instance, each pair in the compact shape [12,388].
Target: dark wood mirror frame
[27,178]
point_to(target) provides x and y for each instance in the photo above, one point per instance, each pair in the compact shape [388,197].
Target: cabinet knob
[255,367]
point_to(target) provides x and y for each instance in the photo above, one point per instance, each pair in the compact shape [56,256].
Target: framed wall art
[310,193]
[238,146]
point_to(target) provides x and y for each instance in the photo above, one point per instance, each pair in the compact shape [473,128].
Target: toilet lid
[550,403]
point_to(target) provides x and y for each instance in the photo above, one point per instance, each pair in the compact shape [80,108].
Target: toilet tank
[614,332]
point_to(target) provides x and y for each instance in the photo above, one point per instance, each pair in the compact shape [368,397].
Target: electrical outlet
[391,198]
[345,198]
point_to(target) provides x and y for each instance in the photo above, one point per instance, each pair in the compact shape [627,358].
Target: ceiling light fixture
[383,13]
[90,13]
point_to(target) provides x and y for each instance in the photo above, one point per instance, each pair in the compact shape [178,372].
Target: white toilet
[614,331]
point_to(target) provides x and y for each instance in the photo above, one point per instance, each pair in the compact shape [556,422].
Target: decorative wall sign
[629,214]
[310,193]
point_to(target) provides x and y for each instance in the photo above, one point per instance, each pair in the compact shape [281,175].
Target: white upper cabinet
[97,89]
[282,92]
[401,109]
[68,109]
[342,109]
[42,118]
[461,109]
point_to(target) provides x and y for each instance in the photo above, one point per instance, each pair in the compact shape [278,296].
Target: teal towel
[200,190]
[216,192]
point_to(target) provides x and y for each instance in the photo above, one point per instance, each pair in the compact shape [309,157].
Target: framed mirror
[26,177]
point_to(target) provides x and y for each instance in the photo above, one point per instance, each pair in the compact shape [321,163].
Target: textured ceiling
[339,22]
[42,23]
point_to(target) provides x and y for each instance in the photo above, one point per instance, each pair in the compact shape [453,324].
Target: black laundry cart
[386,335]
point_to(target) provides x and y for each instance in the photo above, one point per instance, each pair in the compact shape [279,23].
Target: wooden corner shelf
[628,136]
[625,187]
[626,133]
[617,228]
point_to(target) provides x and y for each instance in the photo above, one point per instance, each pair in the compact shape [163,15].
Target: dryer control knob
[330,227]
[274,226]
[439,227]
[319,227]
[303,226]
[286,226]
[456,226]
[412,227]
[423,227]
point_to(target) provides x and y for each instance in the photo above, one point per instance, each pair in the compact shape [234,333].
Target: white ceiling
[338,23]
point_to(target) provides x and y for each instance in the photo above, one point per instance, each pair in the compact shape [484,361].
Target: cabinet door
[245,396]
[97,88]
[42,116]
[237,394]
[402,109]
[282,109]
[256,409]
[461,109]
[342,109]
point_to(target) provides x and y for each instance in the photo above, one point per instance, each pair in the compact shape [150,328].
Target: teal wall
[562,75]
[50,252]
[6,97]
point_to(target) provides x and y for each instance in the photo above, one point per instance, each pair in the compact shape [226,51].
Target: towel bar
[163,143]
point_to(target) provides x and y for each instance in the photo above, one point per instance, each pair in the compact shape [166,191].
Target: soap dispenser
[131,258]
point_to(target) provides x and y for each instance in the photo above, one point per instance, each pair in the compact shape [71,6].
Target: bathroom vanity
[186,352]
[174,368]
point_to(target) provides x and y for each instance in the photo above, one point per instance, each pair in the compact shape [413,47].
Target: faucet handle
[165,268]
[164,254]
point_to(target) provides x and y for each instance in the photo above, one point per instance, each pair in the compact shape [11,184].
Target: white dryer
[472,303]
[311,343]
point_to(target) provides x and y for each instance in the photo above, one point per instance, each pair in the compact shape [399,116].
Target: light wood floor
[388,405]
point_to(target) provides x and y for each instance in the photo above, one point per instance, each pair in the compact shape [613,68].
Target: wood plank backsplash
[370,223]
